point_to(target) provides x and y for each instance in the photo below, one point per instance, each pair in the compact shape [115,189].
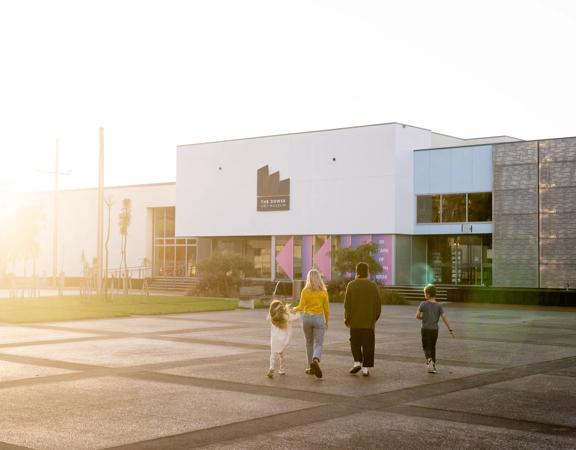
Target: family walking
[362,308]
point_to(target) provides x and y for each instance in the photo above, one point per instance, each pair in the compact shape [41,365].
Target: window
[454,208]
[428,209]
[480,207]
[450,208]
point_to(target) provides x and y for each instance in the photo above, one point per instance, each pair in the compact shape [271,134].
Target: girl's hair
[278,314]
[314,281]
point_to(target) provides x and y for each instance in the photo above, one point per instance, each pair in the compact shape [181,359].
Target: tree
[223,272]
[124,223]
[345,259]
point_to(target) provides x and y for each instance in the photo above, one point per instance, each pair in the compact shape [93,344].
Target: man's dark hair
[362,270]
[430,290]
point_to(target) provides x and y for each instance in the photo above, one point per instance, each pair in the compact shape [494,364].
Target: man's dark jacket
[362,305]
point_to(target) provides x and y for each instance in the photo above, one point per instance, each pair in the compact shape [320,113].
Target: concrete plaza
[508,380]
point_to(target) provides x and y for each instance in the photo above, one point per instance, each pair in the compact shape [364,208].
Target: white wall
[78,225]
[356,194]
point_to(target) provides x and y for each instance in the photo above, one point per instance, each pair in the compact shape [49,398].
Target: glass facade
[172,257]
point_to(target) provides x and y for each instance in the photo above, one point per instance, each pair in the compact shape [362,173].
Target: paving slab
[10,371]
[134,324]
[385,377]
[378,430]
[545,399]
[98,413]
[124,352]
[22,334]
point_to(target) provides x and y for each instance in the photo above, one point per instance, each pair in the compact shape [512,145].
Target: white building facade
[286,202]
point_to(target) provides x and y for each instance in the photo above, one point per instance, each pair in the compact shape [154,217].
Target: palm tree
[124,222]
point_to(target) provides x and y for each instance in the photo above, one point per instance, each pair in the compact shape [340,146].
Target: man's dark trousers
[362,343]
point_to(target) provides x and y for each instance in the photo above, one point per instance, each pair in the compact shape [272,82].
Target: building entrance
[460,260]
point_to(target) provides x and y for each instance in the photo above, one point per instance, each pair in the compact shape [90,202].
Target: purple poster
[384,256]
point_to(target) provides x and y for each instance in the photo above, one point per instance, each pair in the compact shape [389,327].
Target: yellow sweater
[314,302]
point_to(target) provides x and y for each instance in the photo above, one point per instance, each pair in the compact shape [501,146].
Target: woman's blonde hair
[314,281]
[278,313]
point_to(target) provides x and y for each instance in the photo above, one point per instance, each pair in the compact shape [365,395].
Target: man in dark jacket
[361,311]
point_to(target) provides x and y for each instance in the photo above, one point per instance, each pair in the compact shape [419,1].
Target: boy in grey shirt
[430,312]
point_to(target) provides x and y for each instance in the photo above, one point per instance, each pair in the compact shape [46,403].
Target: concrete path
[508,380]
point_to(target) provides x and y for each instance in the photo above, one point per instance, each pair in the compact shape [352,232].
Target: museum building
[494,211]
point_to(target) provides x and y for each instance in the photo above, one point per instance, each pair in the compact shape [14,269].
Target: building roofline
[339,129]
[141,185]
[306,132]
[495,143]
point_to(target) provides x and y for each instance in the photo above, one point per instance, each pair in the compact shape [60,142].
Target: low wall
[518,296]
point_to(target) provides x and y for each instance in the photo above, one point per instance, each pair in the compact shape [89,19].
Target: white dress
[280,337]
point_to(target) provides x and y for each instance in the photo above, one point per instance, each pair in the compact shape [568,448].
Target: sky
[157,74]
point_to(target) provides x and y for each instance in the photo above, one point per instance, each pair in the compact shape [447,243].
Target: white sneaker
[429,366]
[434,368]
[281,372]
[365,372]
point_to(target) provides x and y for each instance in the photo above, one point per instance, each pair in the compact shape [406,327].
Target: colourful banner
[285,258]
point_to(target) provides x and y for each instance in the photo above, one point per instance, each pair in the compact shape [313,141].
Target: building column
[273,258]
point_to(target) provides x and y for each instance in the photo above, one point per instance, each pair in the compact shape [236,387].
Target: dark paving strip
[186,319]
[383,402]
[480,419]
[244,429]
[35,361]
[6,446]
[232,386]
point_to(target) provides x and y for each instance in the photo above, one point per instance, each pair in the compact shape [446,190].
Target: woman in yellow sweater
[315,311]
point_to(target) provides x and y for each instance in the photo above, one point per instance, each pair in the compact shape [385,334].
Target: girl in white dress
[280,333]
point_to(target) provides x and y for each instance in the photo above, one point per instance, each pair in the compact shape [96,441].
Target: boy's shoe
[281,372]
[316,368]
[365,372]
[270,373]
[429,366]
[434,368]
[309,371]
[355,369]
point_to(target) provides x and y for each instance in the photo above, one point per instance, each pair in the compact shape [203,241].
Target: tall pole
[56,213]
[100,212]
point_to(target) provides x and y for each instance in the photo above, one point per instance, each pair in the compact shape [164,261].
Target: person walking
[314,312]
[280,333]
[362,307]
[430,312]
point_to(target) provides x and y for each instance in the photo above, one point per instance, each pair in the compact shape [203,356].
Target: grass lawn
[53,309]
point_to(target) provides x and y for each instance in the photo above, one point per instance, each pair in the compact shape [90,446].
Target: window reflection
[428,209]
[454,208]
[480,207]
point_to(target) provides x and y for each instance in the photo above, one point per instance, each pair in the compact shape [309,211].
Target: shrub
[222,274]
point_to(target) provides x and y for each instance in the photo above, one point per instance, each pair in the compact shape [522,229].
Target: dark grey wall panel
[558,213]
[558,276]
[558,225]
[516,226]
[515,214]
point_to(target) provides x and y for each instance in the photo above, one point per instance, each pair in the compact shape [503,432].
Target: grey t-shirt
[431,313]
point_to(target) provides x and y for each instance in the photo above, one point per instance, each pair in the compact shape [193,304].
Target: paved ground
[197,380]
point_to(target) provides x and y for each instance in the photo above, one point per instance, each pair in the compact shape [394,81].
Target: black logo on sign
[273,194]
